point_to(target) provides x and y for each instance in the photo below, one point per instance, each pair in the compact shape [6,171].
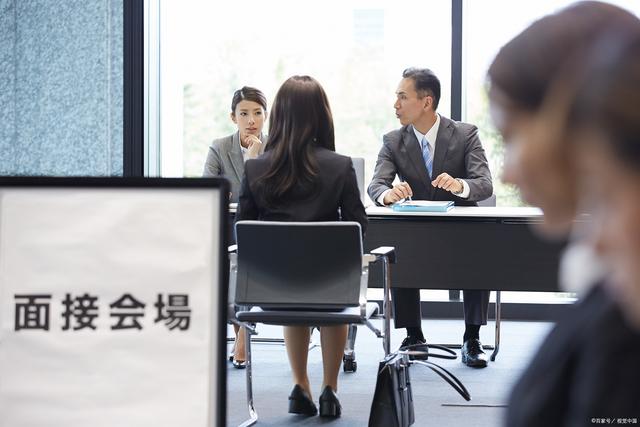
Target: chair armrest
[368,259]
[233,259]
[385,251]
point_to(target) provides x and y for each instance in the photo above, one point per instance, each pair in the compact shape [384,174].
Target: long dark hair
[524,68]
[300,121]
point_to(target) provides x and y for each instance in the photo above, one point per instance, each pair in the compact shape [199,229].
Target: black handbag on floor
[392,404]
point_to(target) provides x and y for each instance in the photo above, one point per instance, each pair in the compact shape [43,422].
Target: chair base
[349,363]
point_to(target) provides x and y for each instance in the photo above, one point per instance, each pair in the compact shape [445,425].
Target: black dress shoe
[472,354]
[300,402]
[329,404]
[415,344]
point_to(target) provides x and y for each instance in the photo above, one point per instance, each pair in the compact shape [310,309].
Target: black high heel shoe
[238,364]
[301,403]
[329,403]
[232,352]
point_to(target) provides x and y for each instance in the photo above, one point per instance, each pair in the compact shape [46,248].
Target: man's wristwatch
[461,187]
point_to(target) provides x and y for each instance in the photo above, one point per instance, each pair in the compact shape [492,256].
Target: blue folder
[423,206]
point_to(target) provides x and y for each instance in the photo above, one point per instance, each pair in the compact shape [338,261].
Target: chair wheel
[349,365]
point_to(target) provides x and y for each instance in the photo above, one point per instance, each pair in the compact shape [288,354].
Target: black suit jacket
[587,367]
[458,153]
[336,197]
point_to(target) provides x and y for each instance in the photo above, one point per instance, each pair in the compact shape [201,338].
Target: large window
[357,50]
[487,26]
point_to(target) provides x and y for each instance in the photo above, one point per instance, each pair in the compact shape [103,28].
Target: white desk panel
[465,211]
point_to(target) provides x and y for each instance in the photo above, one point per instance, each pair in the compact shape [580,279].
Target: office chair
[358,167]
[491,202]
[454,294]
[304,273]
[349,363]
[249,329]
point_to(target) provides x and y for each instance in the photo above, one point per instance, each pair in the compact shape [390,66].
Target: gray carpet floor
[436,403]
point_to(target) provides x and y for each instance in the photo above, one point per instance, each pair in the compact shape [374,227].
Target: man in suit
[435,159]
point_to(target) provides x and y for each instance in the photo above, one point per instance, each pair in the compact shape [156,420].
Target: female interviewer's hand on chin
[253,145]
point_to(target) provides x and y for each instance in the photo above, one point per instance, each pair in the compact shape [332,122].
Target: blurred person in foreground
[578,374]
[603,114]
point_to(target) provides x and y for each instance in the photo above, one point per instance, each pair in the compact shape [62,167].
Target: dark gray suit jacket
[587,367]
[335,198]
[225,159]
[458,153]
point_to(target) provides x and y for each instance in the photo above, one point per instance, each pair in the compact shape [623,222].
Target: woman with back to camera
[226,158]
[576,374]
[301,178]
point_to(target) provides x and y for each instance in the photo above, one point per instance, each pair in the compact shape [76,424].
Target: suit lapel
[235,156]
[412,148]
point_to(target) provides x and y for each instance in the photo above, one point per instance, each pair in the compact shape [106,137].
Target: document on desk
[423,206]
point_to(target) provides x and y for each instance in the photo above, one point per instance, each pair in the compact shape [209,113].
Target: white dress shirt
[243,150]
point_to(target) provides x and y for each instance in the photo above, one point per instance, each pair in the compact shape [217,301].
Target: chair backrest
[358,166]
[301,265]
[489,201]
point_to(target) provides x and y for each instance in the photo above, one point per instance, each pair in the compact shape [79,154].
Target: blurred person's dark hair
[248,93]
[300,121]
[425,82]
[604,94]
[524,68]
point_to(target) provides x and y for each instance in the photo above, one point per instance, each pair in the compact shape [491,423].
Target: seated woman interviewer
[301,178]
[226,158]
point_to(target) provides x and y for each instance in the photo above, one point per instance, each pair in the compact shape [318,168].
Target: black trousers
[407,313]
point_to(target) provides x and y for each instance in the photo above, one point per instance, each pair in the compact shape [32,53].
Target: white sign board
[110,306]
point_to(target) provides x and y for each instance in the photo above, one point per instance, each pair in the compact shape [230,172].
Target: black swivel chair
[304,273]
[358,167]
[455,295]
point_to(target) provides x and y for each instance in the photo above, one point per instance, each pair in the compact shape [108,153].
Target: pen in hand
[399,192]
[409,196]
